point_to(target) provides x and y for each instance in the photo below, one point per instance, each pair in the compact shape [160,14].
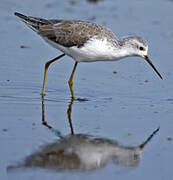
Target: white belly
[93,50]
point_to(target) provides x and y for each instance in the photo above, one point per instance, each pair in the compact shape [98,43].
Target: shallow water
[125,107]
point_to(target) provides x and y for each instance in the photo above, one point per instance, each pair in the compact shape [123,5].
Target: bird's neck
[125,49]
[121,52]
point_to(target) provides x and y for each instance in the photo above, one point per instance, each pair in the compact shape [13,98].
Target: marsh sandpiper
[85,42]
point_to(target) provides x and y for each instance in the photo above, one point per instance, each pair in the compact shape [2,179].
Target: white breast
[93,50]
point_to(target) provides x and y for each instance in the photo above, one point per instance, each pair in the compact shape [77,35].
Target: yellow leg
[45,71]
[70,82]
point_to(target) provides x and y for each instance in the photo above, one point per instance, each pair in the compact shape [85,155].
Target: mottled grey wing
[66,33]
[73,33]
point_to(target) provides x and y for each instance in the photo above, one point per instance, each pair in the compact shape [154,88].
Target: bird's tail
[33,22]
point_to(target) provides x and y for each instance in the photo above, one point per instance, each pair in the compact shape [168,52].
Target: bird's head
[137,46]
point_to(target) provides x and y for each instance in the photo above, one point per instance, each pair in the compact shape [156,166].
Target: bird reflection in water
[82,152]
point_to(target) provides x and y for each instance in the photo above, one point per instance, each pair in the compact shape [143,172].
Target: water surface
[125,107]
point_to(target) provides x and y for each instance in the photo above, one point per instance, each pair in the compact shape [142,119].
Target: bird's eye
[141,48]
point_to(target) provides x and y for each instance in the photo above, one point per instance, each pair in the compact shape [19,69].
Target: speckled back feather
[68,33]
[74,33]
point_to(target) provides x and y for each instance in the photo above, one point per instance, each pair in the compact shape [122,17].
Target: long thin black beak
[151,64]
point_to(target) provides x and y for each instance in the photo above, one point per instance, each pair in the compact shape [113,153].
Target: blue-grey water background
[126,106]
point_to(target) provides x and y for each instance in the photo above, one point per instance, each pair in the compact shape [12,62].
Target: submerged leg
[45,71]
[70,82]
